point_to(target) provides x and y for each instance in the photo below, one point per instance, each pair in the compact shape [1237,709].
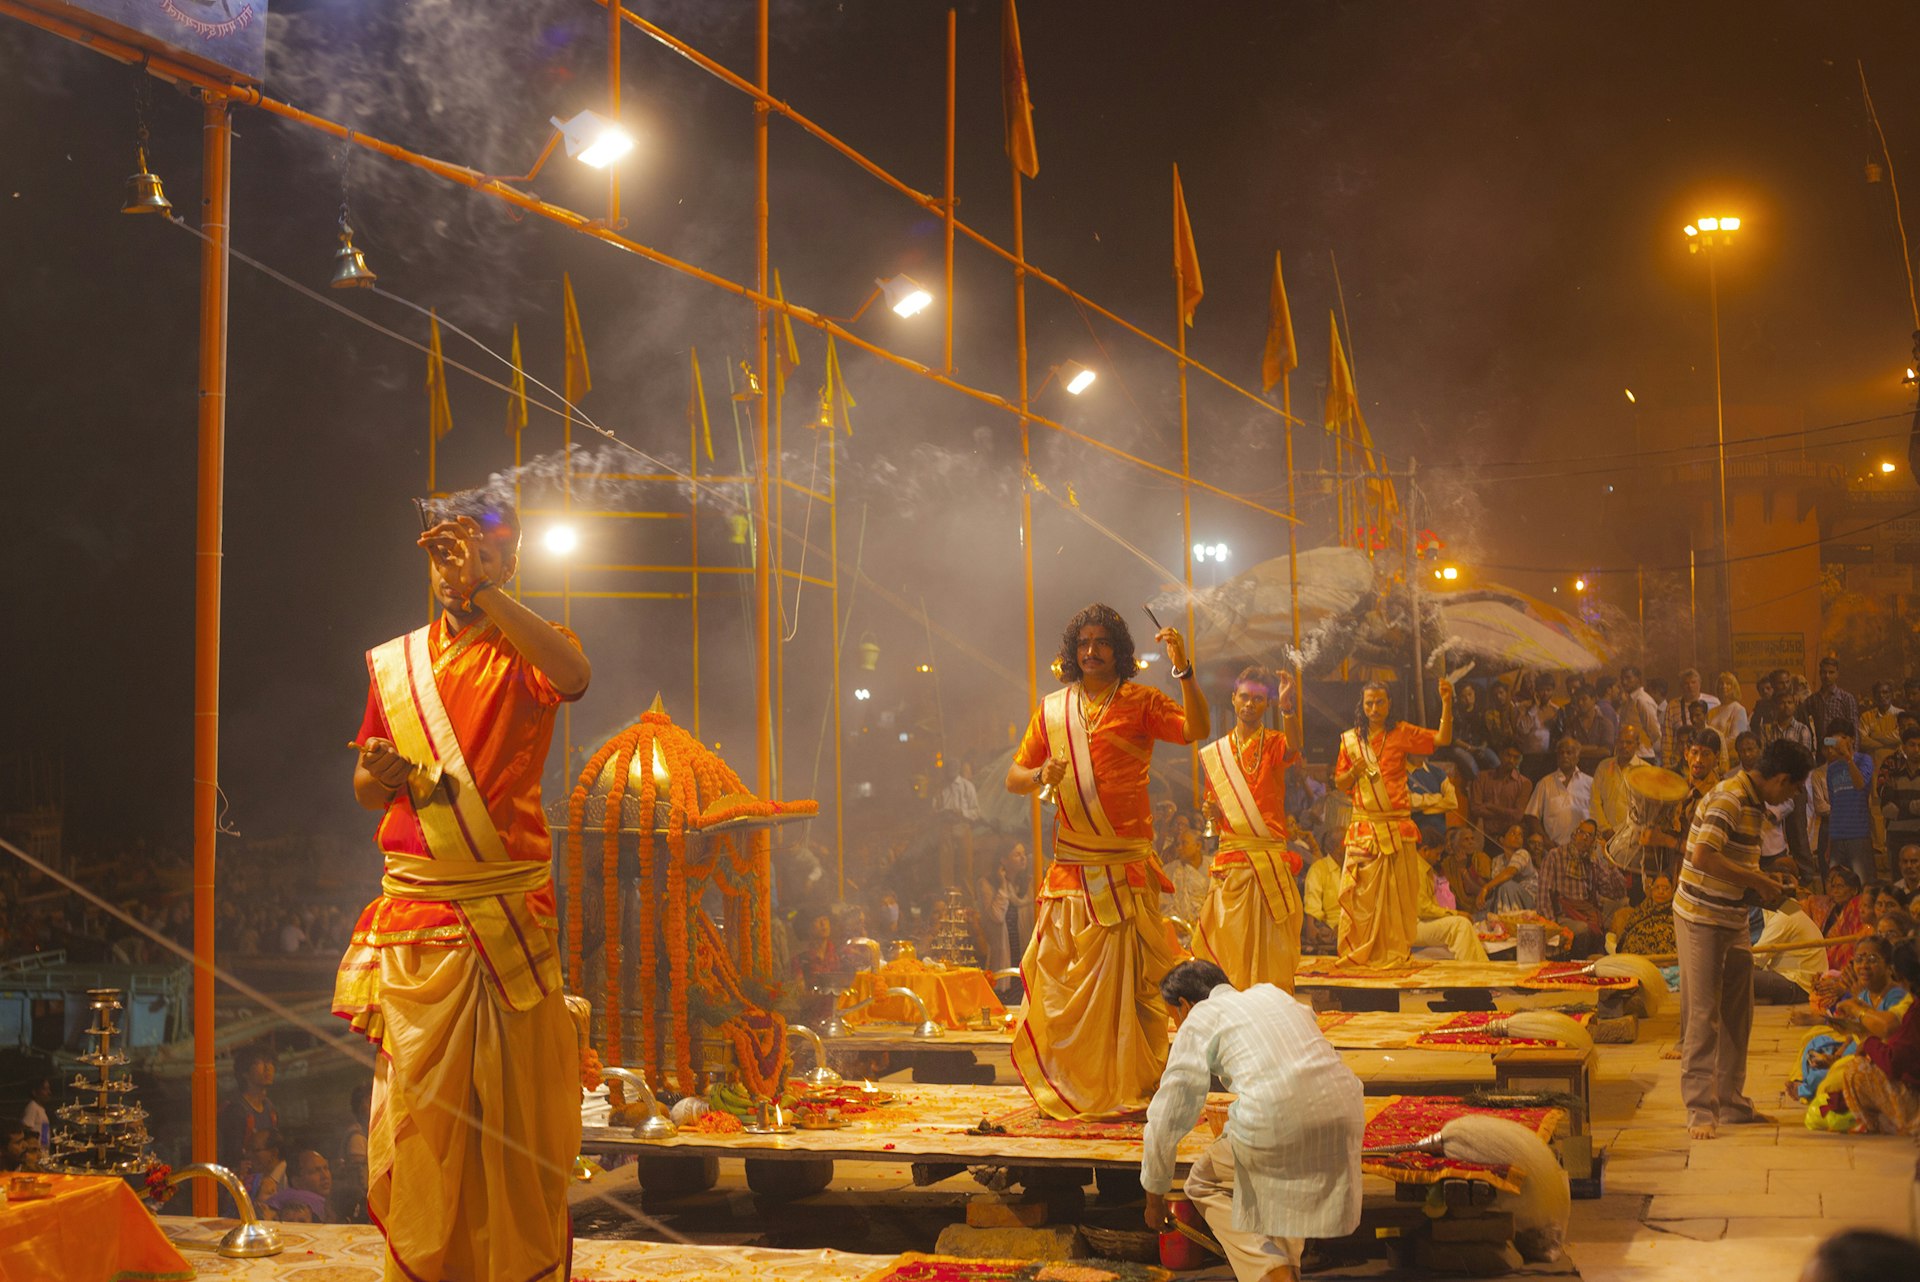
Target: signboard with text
[1755,653]
[227,38]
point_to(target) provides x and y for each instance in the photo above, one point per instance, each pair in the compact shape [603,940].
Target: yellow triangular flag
[1186,259]
[697,403]
[786,353]
[1016,103]
[1281,357]
[835,397]
[517,399]
[1342,402]
[439,412]
[579,380]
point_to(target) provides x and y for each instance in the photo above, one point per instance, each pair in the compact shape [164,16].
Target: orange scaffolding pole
[1186,491]
[929,203]
[953,81]
[762,581]
[216,152]
[1026,493]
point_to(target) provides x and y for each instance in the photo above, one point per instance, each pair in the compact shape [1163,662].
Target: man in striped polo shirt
[1721,870]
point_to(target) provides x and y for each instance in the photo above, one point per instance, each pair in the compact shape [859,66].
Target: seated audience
[1513,885]
[1786,978]
[1880,1085]
[1647,927]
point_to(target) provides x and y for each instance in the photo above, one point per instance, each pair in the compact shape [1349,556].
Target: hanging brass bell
[144,195]
[350,270]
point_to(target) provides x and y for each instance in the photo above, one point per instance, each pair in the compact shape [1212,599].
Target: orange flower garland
[697,954]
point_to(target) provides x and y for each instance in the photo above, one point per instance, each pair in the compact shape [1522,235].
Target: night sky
[1503,185]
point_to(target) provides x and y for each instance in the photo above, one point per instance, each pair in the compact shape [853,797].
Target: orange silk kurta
[1381,879]
[1267,777]
[502,709]
[1122,751]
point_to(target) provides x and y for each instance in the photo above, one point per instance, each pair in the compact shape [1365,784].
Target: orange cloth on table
[1250,923]
[1094,1040]
[94,1227]
[1380,882]
[475,1119]
[953,997]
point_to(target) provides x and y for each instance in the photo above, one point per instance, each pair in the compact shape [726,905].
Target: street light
[1887,466]
[1579,585]
[1706,235]
[905,297]
[1074,376]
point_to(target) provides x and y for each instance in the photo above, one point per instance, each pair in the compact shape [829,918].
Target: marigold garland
[698,956]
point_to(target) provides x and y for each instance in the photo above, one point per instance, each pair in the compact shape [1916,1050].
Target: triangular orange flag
[1186,259]
[579,380]
[1281,357]
[1015,102]
[517,399]
[439,412]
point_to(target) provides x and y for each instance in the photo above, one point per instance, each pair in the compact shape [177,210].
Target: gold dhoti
[1094,1040]
[1240,930]
[474,1125]
[1379,889]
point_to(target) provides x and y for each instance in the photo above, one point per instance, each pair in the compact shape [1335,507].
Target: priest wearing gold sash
[1250,923]
[1381,880]
[453,973]
[1094,1039]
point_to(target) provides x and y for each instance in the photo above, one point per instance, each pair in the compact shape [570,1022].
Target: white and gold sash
[1082,833]
[517,951]
[1248,832]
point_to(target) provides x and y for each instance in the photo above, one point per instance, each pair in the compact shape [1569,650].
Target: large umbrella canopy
[1250,616]
[1493,631]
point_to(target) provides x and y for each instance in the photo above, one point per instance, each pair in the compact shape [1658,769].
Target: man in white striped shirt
[1721,870]
[1287,1165]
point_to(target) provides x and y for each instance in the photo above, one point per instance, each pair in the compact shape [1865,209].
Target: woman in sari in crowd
[1851,913]
[1647,928]
[1872,1009]
[1880,1084]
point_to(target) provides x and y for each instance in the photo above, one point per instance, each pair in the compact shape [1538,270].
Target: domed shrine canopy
[669,932]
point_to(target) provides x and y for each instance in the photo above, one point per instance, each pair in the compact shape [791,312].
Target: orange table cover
[93,1229]
[953,997]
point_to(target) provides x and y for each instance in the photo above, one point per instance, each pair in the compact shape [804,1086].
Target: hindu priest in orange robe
[453,973]
[1094,1039]
[1380,882]
[1250,924]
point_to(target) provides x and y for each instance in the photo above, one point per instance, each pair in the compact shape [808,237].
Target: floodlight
[1887,467]
[593,140]
[561,539]
[1079,377]
[905,296]
[1709,224]
[1729,224]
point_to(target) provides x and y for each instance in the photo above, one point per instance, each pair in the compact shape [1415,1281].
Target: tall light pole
[1704,236]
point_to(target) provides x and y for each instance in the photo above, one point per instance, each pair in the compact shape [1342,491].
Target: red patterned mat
[1466,1029]
[1407,1118]
[1567,975]
[1031,1122]
[915,1267]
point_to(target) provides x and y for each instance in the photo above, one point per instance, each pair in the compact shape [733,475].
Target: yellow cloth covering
[953,997]
[482,1136]
[1095,1037]
[1379,891]
[92,1226]
[1239,933]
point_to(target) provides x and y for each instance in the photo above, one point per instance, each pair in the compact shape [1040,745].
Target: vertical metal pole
[1413,598]
[833,599]
[693,538]
[777,573]
[1293,571]
[216,152]
[762,680]
[613,108]
[953,42]
[1693,601]
[1186,490]
[1723,632]
[1026,490]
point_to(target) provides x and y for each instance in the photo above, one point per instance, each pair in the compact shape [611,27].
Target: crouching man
[1287,1165]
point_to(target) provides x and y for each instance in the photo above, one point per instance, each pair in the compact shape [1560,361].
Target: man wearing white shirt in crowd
[1286,1167]
[1786,978]
[1637,709]
[1562,800]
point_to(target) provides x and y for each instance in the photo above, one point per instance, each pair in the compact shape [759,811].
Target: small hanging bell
[350,270]
[144,195]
